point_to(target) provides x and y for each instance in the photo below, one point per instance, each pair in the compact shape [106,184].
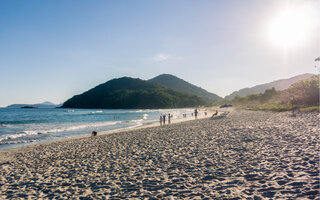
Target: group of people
[163,119]
[164,116]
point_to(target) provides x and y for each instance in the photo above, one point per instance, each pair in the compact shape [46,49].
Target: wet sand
[245,155]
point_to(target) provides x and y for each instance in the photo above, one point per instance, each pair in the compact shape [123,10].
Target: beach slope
[245,155]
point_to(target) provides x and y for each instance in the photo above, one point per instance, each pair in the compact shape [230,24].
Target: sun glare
[291,27]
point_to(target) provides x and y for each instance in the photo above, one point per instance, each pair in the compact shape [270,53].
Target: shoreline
[120,130]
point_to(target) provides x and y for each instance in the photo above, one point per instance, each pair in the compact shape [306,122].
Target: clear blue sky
[52,50]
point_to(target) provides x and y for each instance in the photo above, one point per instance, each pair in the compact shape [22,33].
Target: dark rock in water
[29,107]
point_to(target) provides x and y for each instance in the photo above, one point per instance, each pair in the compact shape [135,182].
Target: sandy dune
[246,155]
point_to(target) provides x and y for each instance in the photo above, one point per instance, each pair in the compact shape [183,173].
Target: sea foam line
[56,130]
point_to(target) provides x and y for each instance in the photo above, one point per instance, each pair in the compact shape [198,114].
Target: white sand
[246,155]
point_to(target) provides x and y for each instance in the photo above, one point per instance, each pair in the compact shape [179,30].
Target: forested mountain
[176,83]
[279,85]
[129,92]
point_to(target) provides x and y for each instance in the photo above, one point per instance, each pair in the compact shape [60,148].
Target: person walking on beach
[161,120]
[164,119]
[196,113]
[169,118]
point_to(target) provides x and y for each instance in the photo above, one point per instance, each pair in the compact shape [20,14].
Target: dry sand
[246,155]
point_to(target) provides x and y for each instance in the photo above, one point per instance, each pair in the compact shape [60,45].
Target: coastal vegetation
[168,91]
[302,95]
[279,85]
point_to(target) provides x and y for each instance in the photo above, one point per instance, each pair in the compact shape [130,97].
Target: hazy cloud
[160,57]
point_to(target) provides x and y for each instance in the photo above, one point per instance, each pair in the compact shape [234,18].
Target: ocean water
[31,126]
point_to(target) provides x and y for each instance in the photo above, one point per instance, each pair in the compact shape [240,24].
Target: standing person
[169,118]
[196,113]
[161,119]
[164,119]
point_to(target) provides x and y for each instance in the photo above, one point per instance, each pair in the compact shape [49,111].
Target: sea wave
[145,116]
[98,111]
[16,142]
[136,120]
[27,133]
[16,122]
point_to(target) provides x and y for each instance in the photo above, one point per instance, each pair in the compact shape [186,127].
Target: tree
[306,92]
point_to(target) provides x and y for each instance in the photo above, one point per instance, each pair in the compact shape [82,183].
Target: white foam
[136,120]
[145,116]
[56,130]
[98,111]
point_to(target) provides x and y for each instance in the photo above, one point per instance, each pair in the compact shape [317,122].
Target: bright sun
[291,27]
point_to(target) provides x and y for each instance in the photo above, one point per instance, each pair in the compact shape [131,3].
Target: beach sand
[245,155]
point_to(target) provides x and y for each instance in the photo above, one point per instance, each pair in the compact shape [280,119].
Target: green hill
[303,94]
[176,83]
[281,84]
[126,93]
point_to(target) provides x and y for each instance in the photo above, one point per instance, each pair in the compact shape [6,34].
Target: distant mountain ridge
[128,93]
[176,83]
[281,84]
[46,104]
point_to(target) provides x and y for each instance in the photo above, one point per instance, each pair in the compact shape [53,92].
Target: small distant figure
[214,114]
[205,113]
[2,124]
[164,119]
[94,133]
[161,117]
[196,113]
[169,118]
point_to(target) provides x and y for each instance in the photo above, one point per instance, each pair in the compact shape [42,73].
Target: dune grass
[310,109]
[272,107]
[283,107]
